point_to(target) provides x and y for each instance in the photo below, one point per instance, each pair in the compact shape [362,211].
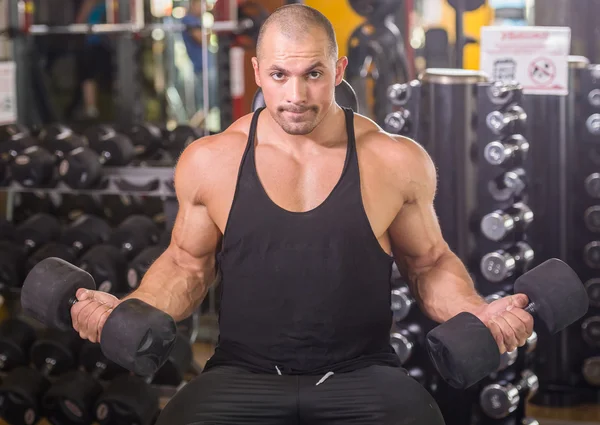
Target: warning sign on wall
[8,93]
[535,57]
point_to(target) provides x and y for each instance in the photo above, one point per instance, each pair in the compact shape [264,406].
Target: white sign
[8,93]
[535,57]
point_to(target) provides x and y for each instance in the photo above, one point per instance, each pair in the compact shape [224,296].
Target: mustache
[296,109]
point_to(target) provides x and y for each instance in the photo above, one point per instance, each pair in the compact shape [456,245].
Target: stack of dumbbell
[58,153]
[405,101]
[55,374]
[503,249]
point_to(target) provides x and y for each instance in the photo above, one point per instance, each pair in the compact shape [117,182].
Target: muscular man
[307,205]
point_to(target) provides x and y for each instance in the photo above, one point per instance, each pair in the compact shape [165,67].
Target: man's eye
[277,75]
[314,75]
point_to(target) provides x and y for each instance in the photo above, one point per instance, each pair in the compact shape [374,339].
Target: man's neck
[331,131]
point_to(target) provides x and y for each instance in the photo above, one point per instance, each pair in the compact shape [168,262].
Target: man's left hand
[509,323]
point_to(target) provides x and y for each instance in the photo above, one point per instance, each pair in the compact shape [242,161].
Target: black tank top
[302,292]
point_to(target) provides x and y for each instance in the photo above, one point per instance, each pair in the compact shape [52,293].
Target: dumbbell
[78,237]
[499,224]
[591,217]
[502,264]
[35,232]
[592,286]
[402,302]
[7,230]
[180,138]
[507,152]
[82,168]
[146,139]
[405,339]
[141,263]
[127,400]
[508,358]
[419,375]
[591,255]
[136,335]
[10,148]
[53,354]
[510,121]
[463,349]
[498,401]
[172,373]
[591,370]
[72,206]
[117,208]
[501,93]
[72,397]
[16,338]
[134,234]
[590,331]
[107,266]
[398,122]
[592,185]
[13,130]
[36,166]
[510,183]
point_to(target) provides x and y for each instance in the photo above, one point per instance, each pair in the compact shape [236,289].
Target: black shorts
[374,395]
[96,63]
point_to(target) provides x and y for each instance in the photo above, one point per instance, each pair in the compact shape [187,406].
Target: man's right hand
[91,311]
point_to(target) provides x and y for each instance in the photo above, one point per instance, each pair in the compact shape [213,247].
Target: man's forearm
[175,289]
[444,289]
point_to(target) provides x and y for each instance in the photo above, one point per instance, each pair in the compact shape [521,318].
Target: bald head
[295,21]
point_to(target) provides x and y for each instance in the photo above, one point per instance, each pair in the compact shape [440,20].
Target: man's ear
[256,73]
[340,69]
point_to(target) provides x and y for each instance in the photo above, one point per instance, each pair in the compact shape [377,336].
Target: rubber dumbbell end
[49,289]
[138,337]
[463,350]
[556,294]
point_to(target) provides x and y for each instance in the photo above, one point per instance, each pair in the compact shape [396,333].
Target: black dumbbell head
[86,231]
[73,206]
[146,138]
[12,131]
[71,399]
[118,150]
[62,347]
[127,400]
[134,234]
[96,134]
[181,137]
[12,265]
[559,295]
[7,230]
[95,362]
[107,266]
[52,249]
[48,289]
[19,396]
[81,168]
[16,338]
[140,265]
[172,373]
[463,350]
[34,167]
[138,337]
[39,229]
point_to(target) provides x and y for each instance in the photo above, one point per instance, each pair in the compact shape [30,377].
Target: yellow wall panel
[342,17]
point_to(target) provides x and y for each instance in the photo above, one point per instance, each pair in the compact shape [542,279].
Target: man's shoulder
[387,147]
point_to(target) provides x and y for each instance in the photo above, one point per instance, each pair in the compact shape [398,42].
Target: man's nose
[297,90]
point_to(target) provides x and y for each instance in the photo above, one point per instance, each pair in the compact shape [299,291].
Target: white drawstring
[327,375]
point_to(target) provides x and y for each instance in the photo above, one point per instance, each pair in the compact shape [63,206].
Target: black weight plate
[16,338]
[181,137]
[38,230]
[118,149]
[81,168]
[61,147]
[10,149]
[34,167]
[12,132]
[107,266]
[467,5]
[48,288]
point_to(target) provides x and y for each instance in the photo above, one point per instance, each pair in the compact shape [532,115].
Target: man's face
[298,78]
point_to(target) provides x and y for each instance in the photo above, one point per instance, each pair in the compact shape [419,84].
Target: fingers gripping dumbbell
[135,335]
[502,264]
[53,354]
[463,349]
[405,339]
[498,401]
[72,397]
[499,224]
